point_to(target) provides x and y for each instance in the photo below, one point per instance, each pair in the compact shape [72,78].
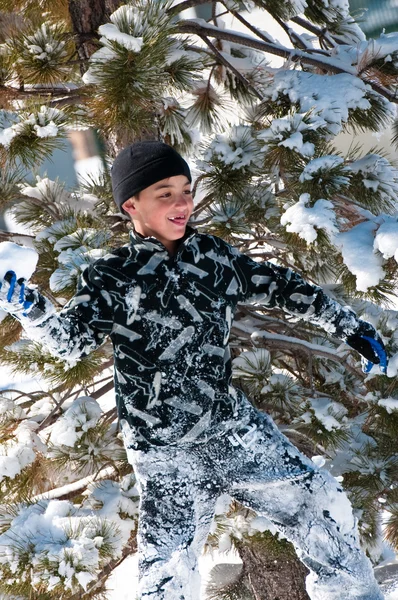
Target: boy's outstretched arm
[272,285]
[75,331]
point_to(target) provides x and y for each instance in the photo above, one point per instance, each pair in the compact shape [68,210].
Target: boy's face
[162,210]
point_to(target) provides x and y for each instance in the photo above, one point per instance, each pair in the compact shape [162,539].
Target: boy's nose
[182,200]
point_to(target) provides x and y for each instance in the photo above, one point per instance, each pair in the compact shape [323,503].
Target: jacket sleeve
[80,327]
[271,285]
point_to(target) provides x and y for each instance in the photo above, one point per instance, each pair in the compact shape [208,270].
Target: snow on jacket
[169,318]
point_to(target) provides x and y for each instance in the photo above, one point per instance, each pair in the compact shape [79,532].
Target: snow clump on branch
[84,414]
[238,149]
[330,98]
[18,453]
[305,220]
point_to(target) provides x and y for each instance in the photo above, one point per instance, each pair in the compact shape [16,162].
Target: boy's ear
[129,206]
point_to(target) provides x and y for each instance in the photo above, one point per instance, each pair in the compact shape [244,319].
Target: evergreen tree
[269,180]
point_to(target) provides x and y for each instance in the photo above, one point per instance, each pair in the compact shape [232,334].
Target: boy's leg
[176,511]
[268,474]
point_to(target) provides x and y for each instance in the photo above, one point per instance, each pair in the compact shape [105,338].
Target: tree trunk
[86,16]
[271,568]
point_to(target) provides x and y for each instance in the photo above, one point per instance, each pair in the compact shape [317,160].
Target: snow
[50,130]
[386,238]
[290,132]
[390,404]
[326,411]
[123,583]
[20,259]
[251,362]
[237,148]
[111,32]
[378,174]
[79,418]
[305,220]
[46,189]
[68,539]
[295,142]
[385,46]
[20,451]
[357,250]
[329,98]
[46,122]
[319,165]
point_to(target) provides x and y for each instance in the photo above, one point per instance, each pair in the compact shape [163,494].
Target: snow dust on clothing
[189,434]
[169,318]
[258,466]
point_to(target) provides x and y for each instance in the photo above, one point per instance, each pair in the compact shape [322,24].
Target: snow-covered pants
[259,467]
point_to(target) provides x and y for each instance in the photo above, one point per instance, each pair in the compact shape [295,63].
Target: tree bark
[272,569]
[86,16]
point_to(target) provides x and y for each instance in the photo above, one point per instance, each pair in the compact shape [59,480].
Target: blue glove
[370,345]
[12,295]
[380,352]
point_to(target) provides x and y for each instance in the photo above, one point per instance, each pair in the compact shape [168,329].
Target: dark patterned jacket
[169,318]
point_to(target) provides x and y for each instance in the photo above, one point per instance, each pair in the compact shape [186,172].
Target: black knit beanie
[142,164]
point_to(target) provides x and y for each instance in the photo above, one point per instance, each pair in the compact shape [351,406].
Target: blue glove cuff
[13,281]
[379,351]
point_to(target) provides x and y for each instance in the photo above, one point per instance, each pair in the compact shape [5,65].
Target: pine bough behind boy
[167,300]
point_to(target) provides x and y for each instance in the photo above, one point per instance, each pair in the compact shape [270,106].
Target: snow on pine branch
[68,545]
[330,98]
[305,220]
[83,415]
[378,175]
[46,122]
[20,450]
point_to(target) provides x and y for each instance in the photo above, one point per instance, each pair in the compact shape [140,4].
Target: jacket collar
[151,244]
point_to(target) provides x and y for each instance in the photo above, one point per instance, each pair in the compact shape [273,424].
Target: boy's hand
[370,345]
[12,294]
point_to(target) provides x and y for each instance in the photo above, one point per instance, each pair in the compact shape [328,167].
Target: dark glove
[369,344]
[12,295]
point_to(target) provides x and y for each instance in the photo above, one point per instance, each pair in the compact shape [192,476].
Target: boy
[167,301]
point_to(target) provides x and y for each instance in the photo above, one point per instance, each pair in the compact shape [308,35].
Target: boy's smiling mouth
[178,219]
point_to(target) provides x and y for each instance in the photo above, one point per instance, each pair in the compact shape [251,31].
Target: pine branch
[71,490]
[276,341]
[177,8]
[53,415]
[320,33]
[257,32]
[294,55]
[103,390]
[131,548]
[9,235]
[227,64]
